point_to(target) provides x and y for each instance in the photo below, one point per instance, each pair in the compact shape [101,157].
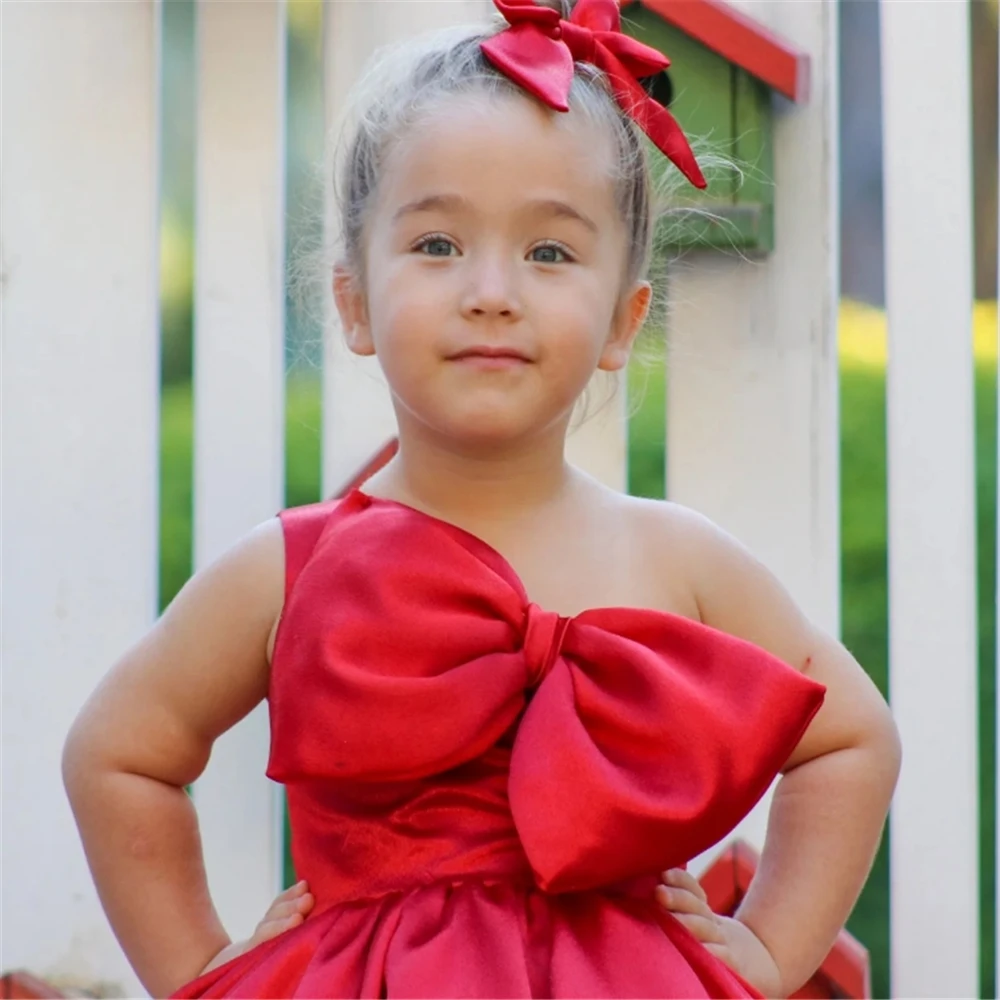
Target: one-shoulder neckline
[508,567]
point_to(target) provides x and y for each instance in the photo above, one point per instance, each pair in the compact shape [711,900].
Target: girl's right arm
[146,732]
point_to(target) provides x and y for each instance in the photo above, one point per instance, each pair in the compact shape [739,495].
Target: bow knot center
[544,632]
[580,41]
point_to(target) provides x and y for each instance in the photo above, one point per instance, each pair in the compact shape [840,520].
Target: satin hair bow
[538,49]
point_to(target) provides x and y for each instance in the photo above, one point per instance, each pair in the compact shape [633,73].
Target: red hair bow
[538,50]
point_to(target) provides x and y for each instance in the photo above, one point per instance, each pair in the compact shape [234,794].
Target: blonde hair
[409,81]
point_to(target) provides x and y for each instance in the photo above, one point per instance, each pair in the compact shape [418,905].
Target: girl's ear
[353,310]
[625,327]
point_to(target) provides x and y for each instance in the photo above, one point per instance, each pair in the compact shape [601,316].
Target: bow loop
[534,59]
[598,15]
[667,732]
[581,42]
[528,12]
[538,49]
[638,59]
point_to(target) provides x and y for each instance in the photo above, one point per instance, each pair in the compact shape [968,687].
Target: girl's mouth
[490,358]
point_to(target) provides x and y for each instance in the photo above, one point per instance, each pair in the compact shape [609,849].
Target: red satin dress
[481,792]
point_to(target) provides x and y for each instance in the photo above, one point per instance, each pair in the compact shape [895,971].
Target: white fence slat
[599,445]
[357,412]
[931,479]
[239,397]
[80,388]
[752,392]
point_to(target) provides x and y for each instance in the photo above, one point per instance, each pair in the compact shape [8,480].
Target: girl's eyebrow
[562,210]
[432,203]
[552,207]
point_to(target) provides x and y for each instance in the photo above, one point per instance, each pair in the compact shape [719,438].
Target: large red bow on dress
[409,647]
[538,50]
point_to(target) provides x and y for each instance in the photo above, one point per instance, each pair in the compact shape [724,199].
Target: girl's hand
[288,910]
[728,939]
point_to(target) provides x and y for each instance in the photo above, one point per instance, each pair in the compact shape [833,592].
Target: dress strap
[302,527]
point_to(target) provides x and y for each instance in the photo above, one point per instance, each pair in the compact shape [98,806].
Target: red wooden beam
[21,985]
[846,971]
[740,40]
[376,462]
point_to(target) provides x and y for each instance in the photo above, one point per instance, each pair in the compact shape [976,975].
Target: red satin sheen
[482,792]
[538,49]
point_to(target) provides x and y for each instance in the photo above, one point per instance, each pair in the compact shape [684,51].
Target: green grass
[863,526]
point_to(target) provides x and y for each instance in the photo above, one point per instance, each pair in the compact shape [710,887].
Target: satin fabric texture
[482,793]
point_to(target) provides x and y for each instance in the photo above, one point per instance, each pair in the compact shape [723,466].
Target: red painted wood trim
[21,985]
[740,40]
[845,972]
[379,459]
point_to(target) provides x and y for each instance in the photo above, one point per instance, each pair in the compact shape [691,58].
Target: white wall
[80,411]
[933,675]
[239,399]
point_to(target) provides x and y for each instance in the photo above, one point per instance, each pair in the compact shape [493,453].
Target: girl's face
[494,272]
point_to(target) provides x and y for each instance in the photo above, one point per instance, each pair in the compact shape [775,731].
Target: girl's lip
[490,354]
[492,362]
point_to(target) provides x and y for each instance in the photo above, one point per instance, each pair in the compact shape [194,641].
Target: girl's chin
[486,432]
[485,424]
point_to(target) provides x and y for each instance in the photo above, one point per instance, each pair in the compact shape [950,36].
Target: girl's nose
[491,290]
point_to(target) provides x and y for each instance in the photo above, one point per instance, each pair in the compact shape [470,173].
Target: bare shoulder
[679,534]
[200,669]
[673,524]
[735,592]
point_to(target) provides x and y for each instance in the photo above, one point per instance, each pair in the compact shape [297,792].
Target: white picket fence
[752,426]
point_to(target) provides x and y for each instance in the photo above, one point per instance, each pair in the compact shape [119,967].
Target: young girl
[508,703]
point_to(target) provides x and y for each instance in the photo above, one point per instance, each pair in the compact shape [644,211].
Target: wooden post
[239,397]
[752,391]
[80,423]
[931,481]
[599,445]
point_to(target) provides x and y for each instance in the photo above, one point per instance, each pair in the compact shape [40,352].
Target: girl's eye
[436,246]
[549,253]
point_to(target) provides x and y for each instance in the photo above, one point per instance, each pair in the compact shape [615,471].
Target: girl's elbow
[883,743]
[78,760]
[85,756]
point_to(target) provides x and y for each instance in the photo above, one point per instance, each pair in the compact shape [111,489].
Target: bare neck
[495,488]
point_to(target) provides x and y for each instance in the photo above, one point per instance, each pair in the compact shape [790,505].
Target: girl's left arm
[831,803]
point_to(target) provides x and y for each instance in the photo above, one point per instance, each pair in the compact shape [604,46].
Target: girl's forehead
[497,147]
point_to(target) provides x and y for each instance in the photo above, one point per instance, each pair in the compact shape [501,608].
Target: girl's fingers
[287,911]
[720,951]
[272,928]
[289,897]
[293,890]
[285,908]
[681,901]
[682,879]
[282,913]
[705,929]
